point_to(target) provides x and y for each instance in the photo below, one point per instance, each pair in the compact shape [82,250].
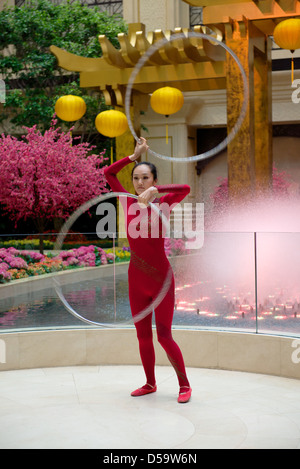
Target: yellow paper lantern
[287,36]
[70,108]
[112,124]
[166,101]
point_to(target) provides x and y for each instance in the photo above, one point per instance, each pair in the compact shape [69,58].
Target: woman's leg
[138,302]
[147,353]
[164,317]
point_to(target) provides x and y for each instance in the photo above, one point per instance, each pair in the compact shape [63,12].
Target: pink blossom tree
[279,188]
[44,176]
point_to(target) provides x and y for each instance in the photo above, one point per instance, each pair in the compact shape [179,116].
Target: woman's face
[142,178]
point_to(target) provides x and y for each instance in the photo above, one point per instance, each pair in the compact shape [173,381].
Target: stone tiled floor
[91,407]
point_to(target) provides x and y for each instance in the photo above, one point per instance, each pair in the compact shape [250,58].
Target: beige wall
[157,14]
[204,349]
[286,157]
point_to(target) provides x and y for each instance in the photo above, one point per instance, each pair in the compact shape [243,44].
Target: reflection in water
[199,304]
[91,299]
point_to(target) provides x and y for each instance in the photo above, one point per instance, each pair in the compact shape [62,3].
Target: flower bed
[16,264]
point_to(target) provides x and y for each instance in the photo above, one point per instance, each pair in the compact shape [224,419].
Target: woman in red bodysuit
[148,269]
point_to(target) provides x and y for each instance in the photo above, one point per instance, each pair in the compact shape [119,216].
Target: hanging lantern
[112,124]
[70,108]
[287,36]
[167,101]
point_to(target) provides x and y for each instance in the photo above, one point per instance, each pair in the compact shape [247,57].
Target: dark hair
[152,167]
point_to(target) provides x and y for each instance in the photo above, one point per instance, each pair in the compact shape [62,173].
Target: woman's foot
[147,389]
[184,394]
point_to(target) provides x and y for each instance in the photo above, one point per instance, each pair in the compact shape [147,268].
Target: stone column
[125,145]
[250,153]
[263,115]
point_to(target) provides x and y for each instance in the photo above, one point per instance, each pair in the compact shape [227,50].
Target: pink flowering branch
[44,176]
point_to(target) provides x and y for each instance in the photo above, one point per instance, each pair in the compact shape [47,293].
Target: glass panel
[215,287]
[278,279]
[85,273]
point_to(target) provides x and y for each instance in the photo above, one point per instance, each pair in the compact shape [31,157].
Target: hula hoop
[154,48]
[58,245]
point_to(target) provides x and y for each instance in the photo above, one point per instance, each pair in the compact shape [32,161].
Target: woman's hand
[147,196]
[140,148]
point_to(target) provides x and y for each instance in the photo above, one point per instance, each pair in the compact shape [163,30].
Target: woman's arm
[111,171]
[177,189]
[175,193]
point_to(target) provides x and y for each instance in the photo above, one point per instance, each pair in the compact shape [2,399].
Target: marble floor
[91,407]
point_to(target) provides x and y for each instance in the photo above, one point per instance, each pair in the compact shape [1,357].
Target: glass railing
[278,283]
[242,282]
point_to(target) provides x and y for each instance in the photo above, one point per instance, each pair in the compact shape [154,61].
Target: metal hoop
[58,245]
[155,47]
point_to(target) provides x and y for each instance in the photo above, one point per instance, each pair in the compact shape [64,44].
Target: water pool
[199,305]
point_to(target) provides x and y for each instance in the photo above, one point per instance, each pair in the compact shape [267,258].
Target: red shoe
[147,389]
[184,396]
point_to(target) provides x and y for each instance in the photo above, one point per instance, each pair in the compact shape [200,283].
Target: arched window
[112,7]
[195,16]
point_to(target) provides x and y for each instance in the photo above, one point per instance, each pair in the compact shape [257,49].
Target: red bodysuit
[147,271]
